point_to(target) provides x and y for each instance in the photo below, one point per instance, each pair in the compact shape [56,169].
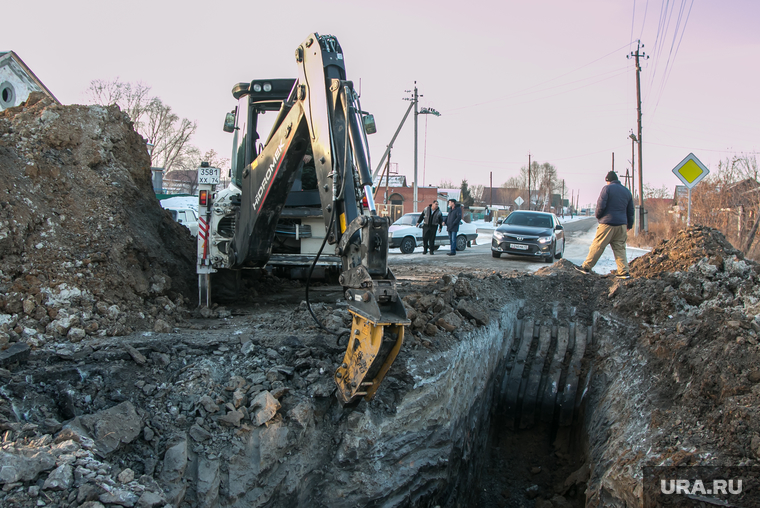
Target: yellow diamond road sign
[690,171]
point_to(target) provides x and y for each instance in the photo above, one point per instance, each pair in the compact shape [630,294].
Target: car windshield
[529,220]
[409,219]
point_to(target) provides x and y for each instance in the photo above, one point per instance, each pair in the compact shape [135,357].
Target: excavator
[312,171]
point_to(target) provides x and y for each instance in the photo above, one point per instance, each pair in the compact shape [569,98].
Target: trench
[498,421]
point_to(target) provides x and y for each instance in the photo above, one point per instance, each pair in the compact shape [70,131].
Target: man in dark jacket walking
[452,224]
[614,210]
[430,218]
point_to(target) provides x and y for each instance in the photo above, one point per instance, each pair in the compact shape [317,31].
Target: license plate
[518,246]
[209,176]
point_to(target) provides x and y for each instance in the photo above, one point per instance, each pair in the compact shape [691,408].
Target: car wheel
[495,254]
[408,245]
[461,242]
[550,257]
[561,252]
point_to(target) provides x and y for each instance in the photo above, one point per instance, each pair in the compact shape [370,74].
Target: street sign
[690,171]
[519,201]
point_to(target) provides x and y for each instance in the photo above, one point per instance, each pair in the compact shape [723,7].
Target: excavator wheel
[370,352]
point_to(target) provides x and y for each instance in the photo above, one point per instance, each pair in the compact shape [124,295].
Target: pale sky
[549,78]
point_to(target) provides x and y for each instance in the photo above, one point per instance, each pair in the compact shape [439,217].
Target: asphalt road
[478,257]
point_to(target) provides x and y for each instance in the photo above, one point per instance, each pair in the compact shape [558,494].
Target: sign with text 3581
[209,176]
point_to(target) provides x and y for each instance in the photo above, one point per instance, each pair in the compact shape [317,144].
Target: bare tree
[478,194]
[152,119]
[661,193]
[131,98]
[170,137]
[543,183]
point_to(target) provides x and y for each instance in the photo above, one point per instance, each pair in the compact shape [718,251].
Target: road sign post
[690,171]
[519,202]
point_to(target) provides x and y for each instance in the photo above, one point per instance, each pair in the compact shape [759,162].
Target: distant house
[179,181]
[392,181]
[743,193]
[17,81]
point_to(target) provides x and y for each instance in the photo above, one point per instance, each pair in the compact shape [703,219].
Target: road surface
[579,235]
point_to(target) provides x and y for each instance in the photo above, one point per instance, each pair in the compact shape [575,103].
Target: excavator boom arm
[320,121]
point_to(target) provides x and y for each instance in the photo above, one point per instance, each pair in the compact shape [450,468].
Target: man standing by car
[430,218]
[452,224]
[614,210]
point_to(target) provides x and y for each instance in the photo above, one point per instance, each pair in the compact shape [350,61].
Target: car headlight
[544,239]
[498,235]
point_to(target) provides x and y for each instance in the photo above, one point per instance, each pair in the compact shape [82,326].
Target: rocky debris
[111,427]
[24,464]
[173,471]
[692,354]
[85,249]
[17,352]
[238,410]
[679,254]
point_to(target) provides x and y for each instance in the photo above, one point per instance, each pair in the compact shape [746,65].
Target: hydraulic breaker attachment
[372,348]
[379,316]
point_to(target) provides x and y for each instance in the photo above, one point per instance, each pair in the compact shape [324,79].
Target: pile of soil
[692,310]
[85,249]
[682,252]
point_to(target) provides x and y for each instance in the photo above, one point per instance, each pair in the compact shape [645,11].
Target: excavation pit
[115,391]
[237,409]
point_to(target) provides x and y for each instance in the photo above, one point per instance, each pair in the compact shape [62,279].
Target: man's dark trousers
[428,238]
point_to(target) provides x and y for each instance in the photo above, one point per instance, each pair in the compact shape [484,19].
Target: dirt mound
[688,248]
[85,249]
[693,308]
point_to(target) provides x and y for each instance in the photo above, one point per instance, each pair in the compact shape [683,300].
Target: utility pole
[491,187]
[529,205]
[613,161]
[633,164]
[424,111]
[562,199]
[637,55]
[416,101]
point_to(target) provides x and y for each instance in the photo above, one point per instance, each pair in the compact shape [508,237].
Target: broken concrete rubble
[114,394]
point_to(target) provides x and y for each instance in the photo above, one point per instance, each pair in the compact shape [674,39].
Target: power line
[668,71]
[692,148]
[644,21]
[501,164]
[523,91]
[633,19]
[619,72]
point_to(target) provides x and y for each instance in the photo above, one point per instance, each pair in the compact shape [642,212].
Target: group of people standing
[614,211]
[431,219]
